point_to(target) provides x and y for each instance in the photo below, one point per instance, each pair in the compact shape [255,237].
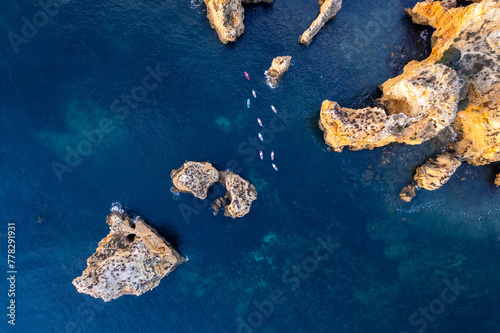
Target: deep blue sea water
[394,260]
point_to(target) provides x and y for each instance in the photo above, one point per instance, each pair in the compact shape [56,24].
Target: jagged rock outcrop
[240,194]
[416,108]
[226,17]
[195,178]
[278,67]
[408,192]
[458,85]
[432,175]
[497,180]
[436,171]
[327,11]
[131,260]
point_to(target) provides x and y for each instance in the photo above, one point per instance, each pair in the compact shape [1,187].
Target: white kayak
[275,167]
[254,94]
[260,122]
[260,137]
[272,156]
[274,109]
[261,155]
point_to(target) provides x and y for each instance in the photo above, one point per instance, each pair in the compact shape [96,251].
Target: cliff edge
[457,86]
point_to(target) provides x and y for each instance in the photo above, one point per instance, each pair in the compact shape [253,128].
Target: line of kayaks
[261,125]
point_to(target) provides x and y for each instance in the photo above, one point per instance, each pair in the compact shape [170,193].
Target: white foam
[117,207]
[196,4]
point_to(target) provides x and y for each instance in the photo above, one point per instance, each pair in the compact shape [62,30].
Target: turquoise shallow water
[393,260]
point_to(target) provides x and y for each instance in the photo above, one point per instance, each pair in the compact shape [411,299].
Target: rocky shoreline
[457,87]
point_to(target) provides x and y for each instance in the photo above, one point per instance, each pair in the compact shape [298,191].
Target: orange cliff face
[464,66]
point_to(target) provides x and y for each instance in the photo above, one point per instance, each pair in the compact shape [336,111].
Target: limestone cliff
[457,86]
[226,17]
[278,67]
[417,108]
[131,260]
[195,178]
[327,11]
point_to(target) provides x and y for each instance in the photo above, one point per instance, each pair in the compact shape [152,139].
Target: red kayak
[248,77]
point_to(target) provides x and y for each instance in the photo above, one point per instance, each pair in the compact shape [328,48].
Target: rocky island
[131,260]
[226,17]
[279,66]
[197,177]
[456,87]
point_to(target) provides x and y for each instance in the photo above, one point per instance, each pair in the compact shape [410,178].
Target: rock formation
[436,171]
[240,194]
[416,108]
[327,11]
[458,85]
[278,67]
[408,192]
[497,180]
[195,178]
[432,175]
[131,260]
[226,17]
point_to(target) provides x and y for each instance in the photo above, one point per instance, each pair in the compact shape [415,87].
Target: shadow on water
[166,230]
[416,46]
[464,3]
[170,233]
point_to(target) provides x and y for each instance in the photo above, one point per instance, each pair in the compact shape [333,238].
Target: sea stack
[279,66]
[240,195]
[197,177]
[131,260]
[432,174]
[226,17]
[328,9]
[463,67]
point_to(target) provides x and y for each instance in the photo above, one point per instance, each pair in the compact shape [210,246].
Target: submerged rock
[195,178]
[327,11]
[240,194]
[131,260]
[457,86]
[278,67]
[226,17]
